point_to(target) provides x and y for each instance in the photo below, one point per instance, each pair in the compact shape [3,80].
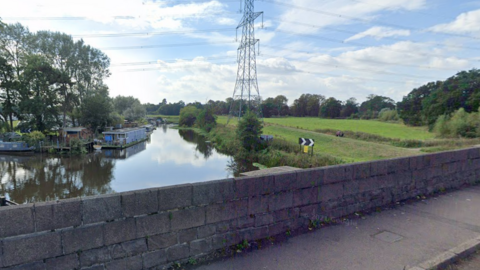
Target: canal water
[169,157]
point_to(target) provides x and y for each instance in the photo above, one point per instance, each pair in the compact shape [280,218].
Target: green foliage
[33,138]
[188,115]
[388,115]
[206,120]
[370,108]
[331,108]
[460,124]
[77,147]
[249,129]
[96,110]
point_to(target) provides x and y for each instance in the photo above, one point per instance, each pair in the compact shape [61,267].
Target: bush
[206,120]
[460,124]
[249,129]
[388,115]
[188,115]
[32,139]
[77,147]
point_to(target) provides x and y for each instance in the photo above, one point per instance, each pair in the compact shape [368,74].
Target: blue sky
[336,48]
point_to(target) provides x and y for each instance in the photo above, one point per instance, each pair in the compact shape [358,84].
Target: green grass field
[389,130]
[347,149]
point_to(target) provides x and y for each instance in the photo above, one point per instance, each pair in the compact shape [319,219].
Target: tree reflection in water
[40,178]
[206,149]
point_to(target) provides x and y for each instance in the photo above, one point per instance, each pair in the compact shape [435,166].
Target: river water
[169,157]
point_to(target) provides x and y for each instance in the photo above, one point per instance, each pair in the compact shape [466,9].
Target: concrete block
[83,238]
[206,231]
[398,165]
[264,219]
[140,202]
[252,234]
[467,248]
[439,261]
[285,214]
[129,263]
[284,181]
[330,192]
[94,267]
[224,227]
[280,201]
[187,218]
[225,240]
[16,220]
[361,170]
[257,205]
[310,212]
[420,174]
[419,162]
[253,186]
[94,256]
[57,215]
[279,228]
[63,262]
[244,222]
[128,249]
[174,197]
[308,178]
[153,224]
[368,184]
[226,211]
[40,265]
[473,153]
[187,235]
[378,167]
[202,246]
[178,252]
[101,208]
[350,187]
[305,196]
[460,155]
[335,174]
[213,192]
[25,249]
[162,241]
[386,181]
[155,258]
[120,231]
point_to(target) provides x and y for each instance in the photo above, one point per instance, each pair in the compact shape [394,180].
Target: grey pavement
[392,239]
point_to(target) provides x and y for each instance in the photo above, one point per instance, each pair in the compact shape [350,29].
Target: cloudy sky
[186,50]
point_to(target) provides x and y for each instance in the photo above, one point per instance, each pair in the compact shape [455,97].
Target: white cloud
[379,32]
[465,23]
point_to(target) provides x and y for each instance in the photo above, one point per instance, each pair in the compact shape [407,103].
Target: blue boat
[15,147]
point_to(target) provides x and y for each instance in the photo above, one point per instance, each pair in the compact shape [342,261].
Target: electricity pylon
[246,91]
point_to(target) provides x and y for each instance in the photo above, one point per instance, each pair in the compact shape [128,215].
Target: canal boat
[149,129]
[97,145]
[15,147]
[123,138]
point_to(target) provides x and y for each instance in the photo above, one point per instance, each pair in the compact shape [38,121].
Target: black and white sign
[306,142]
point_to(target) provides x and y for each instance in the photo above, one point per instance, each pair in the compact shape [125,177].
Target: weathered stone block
[473,153]
[94,256]
[251,234]
[253,186]
[120,231]
[101,208]
[361,170]
[285,214]
[16,220]
[25,249]
[187,235]
[225,240]
[213,192]
[330,192]
[226,211]
[398,165]
[155,258]
[129,263]
[202,246]
[140,202]
[305,196]
[188,218]
[174,197]
[63,262]
[257,205]
[162,241]
[40,265]
[178,252]
[280,201]
[264,219]
[128,249]
[378,167]
[206,231]
[309,178]
[153,224]
[83,238]
[336,174]
[56,215]
[279,228]
[94,267]
[285,181]
[351,187]
[310,212]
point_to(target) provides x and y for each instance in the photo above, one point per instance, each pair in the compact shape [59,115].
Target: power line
[113,35]
[332,14]
[183,66]
[172,60]
[164,45]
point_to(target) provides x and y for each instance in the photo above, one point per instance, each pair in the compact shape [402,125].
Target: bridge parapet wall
[155,227]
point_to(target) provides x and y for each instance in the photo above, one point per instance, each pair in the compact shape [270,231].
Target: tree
[374,104]
[281,107]
[96,110]
[349,108]
[188,115]
[205,119]
[135,112]
[268,107]
[410,108]
[331,108]
[307,105]
[249,129]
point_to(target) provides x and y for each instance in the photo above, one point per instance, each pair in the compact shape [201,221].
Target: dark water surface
[170,157]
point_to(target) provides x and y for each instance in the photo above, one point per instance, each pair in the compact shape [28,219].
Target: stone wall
[152,228]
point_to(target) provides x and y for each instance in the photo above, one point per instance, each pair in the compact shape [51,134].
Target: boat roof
[78,129]
[123,130]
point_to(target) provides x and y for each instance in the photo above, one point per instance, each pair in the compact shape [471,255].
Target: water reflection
[170,157]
